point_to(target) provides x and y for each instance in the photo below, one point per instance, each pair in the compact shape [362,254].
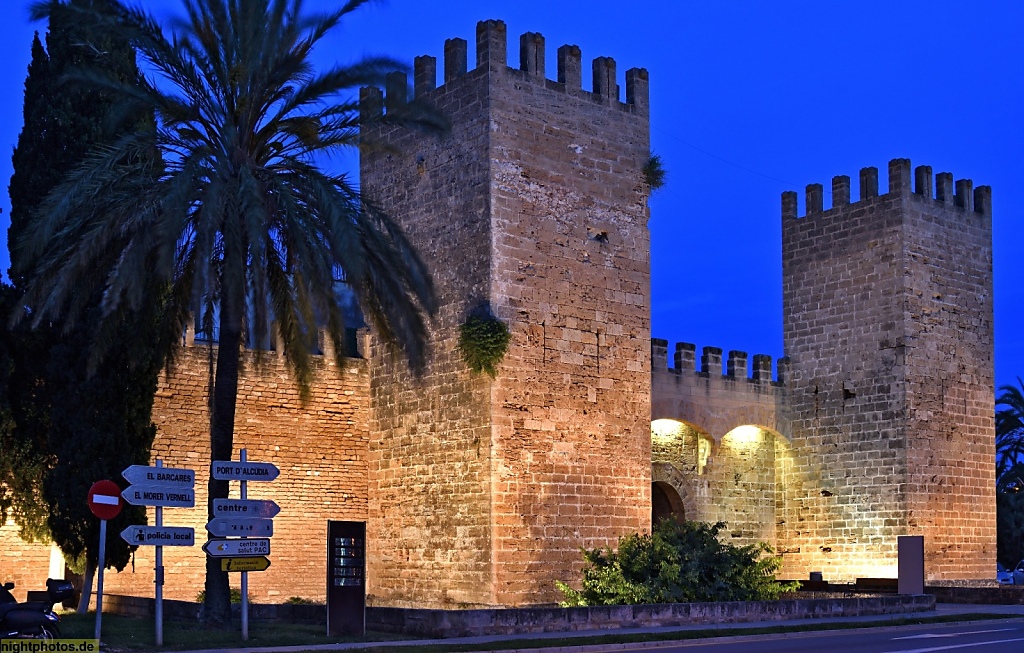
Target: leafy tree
[679,562]
[1010,434]
[236,216]
[1010,527]
[74,423]
[26,457]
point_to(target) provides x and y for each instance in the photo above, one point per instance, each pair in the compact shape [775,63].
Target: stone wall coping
[507,621]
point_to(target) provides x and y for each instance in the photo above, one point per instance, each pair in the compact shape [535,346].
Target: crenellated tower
[887,305]
[534,208]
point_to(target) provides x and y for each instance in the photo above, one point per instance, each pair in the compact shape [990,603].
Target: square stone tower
[534,207]
[888,325]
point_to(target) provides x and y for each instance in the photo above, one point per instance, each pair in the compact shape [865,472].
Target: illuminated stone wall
[736,418]
[483,491]
[888,325]
[320,448]
[25,565]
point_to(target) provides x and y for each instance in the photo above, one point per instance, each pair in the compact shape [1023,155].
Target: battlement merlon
[711,363]
[962,194]
[491,54]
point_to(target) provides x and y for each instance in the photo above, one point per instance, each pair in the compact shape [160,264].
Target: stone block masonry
[887,306]
[720,439]
[320,448]
[479,492]
[534,207]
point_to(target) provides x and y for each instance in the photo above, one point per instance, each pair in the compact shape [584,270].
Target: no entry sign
[105,499]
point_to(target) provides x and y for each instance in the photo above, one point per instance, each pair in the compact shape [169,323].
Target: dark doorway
[665,503]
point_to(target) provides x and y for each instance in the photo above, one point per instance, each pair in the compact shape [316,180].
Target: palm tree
[236,213]
[1010,435]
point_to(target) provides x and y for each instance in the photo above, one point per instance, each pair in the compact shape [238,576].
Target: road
[971,637]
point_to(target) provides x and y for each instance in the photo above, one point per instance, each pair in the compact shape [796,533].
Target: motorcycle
[33,618]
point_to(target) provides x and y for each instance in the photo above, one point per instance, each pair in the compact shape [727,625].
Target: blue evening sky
[748,99]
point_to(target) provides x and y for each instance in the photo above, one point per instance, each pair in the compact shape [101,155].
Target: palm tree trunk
[83,601]
[217,603]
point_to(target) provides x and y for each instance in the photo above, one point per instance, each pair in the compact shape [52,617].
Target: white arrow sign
[166,476]
[240,527]
[245,508]
[160,495]
[237,548]
[159,536]
[229,470]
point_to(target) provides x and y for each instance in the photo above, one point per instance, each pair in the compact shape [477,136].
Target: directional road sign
[105,499]
[229,470]
[245,508]
[166,476]
[257,546]
[160,495]
[240,527]
[259,563]
[159,535]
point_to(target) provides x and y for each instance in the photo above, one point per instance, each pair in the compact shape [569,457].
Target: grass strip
[679,635]
[138,634]
[127,634]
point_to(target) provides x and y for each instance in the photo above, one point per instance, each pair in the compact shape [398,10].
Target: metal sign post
[158,576]
[99,577]
[160,487]
[243,518]
[105,502]
[245,574]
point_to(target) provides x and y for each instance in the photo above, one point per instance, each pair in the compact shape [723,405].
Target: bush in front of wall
[680,562]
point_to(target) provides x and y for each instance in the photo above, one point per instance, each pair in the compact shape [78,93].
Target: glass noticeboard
[346,575]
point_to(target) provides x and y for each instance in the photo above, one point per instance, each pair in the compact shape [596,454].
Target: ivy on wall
[483,341]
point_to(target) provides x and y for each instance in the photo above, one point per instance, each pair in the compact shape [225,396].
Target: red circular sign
[105,499]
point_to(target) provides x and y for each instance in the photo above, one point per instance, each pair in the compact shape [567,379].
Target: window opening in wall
[665,503]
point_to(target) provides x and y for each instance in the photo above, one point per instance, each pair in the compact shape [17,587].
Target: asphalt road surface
[971,637]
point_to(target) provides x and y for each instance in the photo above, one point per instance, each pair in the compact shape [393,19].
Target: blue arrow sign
[237,548]
[245,508]
[160,495]
[240,527]
[159,536]
[229,470]
[166,476]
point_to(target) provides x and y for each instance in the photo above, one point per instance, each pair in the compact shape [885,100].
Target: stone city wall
[888,326]
[718,437]
[483,491]
[320,449]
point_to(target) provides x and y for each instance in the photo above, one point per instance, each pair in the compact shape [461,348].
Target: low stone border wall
[991,595]
[134,606]
[465,623]
[462,623]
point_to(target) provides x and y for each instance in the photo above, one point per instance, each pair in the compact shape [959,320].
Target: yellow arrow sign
[259,563]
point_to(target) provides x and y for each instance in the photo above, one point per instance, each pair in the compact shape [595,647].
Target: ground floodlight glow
[743,436]
[666,429]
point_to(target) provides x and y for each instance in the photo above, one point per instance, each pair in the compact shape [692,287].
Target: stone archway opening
[665,503]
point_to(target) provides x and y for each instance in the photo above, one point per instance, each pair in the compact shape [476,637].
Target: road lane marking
[943,635]
[956,646]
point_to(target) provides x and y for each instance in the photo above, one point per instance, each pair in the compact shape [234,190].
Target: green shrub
[680,562]
[236,596]
[298,600]
[654,172]
[483,341]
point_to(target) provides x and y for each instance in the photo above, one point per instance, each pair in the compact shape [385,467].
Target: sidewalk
[941,609]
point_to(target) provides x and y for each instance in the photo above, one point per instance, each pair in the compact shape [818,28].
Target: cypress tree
[73,424]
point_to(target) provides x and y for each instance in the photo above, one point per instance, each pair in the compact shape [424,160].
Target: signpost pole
[159,576]
[99,576]
[245,575]
[104,501]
